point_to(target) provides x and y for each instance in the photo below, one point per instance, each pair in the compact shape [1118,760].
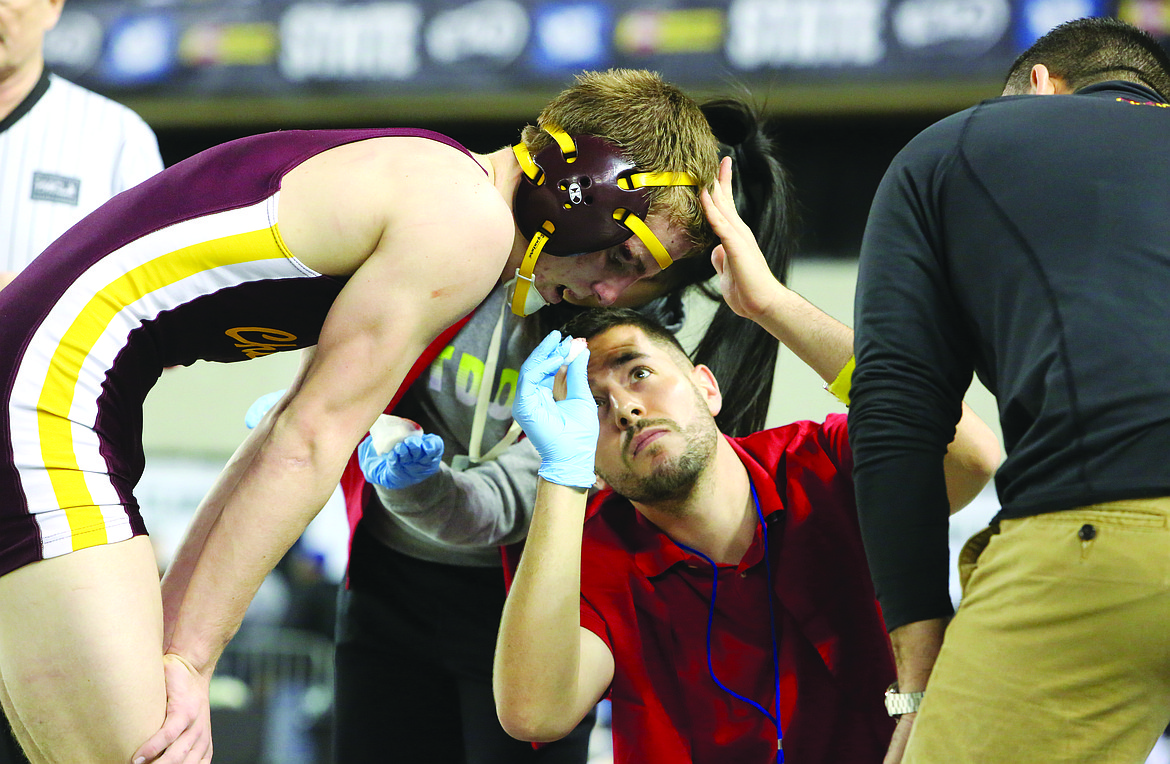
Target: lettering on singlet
[258,341]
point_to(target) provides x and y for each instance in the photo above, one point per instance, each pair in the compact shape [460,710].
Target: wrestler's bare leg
[18,730]
[81,653]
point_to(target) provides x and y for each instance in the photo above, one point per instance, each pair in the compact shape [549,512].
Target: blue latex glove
[564,433]
[412,460]
[260,407]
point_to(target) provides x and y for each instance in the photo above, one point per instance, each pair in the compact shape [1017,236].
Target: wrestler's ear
[708,387]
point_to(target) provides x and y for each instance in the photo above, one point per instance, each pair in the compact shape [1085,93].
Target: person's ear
[55,8]
[708,387]
[1045,83]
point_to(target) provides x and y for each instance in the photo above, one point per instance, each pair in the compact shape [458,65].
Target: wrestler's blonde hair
[657,126]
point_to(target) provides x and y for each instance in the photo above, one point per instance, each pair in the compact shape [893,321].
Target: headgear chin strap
[581,194]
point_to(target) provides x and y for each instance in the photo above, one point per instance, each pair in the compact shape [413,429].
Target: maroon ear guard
[578,193]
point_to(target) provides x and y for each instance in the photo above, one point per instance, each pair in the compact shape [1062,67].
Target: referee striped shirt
[64,151]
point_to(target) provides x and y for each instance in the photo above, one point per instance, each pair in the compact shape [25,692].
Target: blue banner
[431,47]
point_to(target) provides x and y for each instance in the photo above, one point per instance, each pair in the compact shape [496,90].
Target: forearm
[916,646]
[538,655]
[249,527]
[179,571]
[971,459]
[818,339]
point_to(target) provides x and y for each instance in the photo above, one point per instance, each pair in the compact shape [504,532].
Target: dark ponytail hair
[740,352]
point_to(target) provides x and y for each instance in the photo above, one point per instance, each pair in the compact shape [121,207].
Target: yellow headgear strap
[521,304]
[530,168]
[643,232]
[643,179]
[564,140]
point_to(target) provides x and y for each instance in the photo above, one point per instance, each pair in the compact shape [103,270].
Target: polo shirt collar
[1113,87]
[653,551]
[29,101]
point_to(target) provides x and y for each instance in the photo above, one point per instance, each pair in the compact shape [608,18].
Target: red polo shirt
[648,600]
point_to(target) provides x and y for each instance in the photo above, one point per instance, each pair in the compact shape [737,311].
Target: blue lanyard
[775,719]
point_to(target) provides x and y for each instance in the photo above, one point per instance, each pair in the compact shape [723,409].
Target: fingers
[543,363]
[432,446]
[577,379]
[185,736]
[724,184]
[719,259]
[159,741]
[546,347]
[192,747]
[419,449]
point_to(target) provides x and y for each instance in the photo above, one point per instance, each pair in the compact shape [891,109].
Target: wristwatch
[898,703]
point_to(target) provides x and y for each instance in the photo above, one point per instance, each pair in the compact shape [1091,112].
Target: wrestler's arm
[825,344]
[390,308]
[178,572]
[549,670]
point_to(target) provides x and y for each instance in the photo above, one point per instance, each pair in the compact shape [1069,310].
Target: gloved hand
[260,407]
[411,460]
[565,432]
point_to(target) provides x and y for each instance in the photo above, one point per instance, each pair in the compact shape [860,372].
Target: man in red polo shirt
[698,665]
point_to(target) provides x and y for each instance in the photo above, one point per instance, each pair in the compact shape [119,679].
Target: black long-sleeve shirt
[1026,239]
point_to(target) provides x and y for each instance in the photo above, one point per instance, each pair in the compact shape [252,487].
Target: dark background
[836,161]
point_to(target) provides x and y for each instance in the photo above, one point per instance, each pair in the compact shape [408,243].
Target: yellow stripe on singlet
[57,449]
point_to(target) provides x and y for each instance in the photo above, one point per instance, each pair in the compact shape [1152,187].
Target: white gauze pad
[389,430]
[575,347]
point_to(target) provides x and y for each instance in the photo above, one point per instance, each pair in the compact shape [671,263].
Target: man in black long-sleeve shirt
[1028,240]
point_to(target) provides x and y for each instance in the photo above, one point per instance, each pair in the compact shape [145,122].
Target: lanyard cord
[775,719]
[482,401]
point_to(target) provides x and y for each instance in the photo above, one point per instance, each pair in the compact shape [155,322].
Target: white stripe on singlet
[55,395]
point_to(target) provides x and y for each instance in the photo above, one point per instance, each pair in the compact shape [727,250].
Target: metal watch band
[898,703]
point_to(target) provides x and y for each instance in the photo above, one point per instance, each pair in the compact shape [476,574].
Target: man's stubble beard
[675,479]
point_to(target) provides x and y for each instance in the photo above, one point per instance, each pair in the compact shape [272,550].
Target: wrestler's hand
[563,432]
[185,737]
[745,280]
[409,461]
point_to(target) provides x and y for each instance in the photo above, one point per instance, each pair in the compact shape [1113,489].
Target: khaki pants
[1060,650]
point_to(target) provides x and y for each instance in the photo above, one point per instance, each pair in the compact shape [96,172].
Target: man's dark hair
[591,323]
[1085,51]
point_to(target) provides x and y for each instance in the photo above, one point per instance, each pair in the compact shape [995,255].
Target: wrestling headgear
[581,194]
